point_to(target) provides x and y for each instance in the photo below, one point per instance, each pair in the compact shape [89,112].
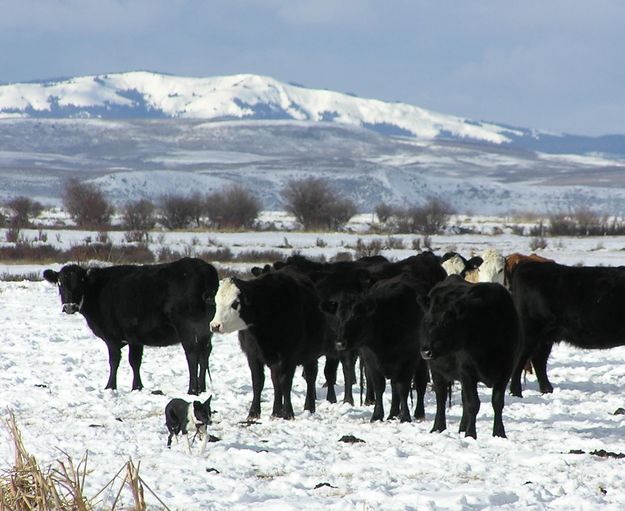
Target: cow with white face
[280,325]
[227,317]
[492,267]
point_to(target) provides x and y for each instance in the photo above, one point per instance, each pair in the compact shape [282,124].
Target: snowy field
[53,370]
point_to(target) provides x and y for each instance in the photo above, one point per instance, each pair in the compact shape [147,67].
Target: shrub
[87,205]
[384,212]
[138,217]
[23,209]
[233,208]
[368,249]
[538,242]
[12,234]
[315,205]
[431,218]
[177,211]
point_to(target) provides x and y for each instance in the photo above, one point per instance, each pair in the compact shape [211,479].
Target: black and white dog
[180,416]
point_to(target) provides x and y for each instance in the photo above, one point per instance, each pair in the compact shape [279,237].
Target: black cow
[330,278]
[383,324]
[579,305]
[150,305]
[280,325]
[471,333]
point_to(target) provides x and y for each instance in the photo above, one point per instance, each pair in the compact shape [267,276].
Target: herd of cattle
[425,317]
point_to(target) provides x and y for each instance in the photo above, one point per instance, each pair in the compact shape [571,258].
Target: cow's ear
[474,263]
[329,306]
[279,264]
[423,301]
[51,276]
[256,271]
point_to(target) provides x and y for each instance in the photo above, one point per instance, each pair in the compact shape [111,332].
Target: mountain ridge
[147,94]
[141,135]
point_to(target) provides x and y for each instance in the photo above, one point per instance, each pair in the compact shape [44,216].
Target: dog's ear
[207,403]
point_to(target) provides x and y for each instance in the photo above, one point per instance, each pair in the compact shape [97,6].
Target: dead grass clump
[28,487]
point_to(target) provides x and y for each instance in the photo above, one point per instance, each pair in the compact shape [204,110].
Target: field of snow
[53,370]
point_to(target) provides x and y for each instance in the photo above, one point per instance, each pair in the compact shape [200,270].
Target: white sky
[550,64]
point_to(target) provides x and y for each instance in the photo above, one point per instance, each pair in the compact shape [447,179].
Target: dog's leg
[204,434]
[186,443]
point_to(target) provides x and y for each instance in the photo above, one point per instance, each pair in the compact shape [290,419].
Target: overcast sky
[556,65]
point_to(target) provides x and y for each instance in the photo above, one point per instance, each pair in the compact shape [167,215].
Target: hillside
[143,134]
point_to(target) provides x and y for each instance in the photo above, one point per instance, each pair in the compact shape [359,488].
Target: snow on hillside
[52,373]
[230,97]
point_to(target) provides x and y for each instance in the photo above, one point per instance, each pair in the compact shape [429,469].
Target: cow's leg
[348,362]
[286,382]
[497,401]
[539,361]
[329,370]
[421,377]
[190,344]
[278,402]
[441,386]
[205,347]
[470,407]
[379,384]
[395,399]
[257,370]
[515,378]
[370,388]
[310,375]
[115,355]
[135,355]
[402,386]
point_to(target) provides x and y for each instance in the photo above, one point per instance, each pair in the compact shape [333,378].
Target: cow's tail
[450,388]
[362,379]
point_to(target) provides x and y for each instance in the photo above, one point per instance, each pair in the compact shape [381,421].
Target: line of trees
[312,201]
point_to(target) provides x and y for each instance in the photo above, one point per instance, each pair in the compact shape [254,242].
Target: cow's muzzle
[427,354]
[216,327]
[340,345]
[70,308]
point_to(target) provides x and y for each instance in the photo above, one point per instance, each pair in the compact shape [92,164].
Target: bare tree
[23,209]
[234,207]
[87,205]
[138,217]
[315,205]
[177,211]
[432,217]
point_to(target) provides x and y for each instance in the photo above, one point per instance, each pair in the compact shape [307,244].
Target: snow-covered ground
[53,370]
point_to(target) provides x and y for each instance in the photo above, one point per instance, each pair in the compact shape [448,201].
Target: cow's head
[454,265]
[232,306]
[492,269]
[355,317]
[444,325]
[71,281]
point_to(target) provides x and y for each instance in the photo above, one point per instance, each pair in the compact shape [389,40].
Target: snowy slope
[142,134]
[144,94]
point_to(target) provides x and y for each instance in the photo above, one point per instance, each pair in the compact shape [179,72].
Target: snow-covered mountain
[144,134]
[152,95]
[144,94]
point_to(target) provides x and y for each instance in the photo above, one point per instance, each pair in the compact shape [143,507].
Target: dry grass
[28,487]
